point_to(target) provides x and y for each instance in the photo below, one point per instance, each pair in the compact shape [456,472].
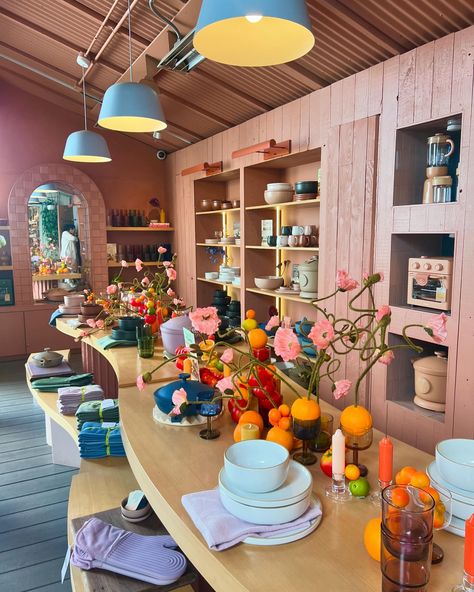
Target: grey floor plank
[33,517]
[22,476]
[21,403]
[30,578]
[21,453]
[57,587]
[34,501]
[25,463]
[37,485]
[22,537]
[23,436]
[23,444]
[33,554]
[21,429]
[20,413]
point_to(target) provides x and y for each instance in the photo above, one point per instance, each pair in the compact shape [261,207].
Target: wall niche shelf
[287,204]
[281,295]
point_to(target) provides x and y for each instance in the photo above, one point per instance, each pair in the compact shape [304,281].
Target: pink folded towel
[221,530]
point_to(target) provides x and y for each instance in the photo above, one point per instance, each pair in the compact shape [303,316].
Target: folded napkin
[97,441]
[221,530]
[97,411]
[107,342]
[56,314]
[54,383]
[70,397]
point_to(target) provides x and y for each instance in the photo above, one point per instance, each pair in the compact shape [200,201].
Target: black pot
[306,187]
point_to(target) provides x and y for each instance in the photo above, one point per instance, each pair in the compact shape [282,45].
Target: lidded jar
[430,381]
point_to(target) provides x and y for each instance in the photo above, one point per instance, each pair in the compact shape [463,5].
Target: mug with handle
[282,241]
[292,241]
[297,230]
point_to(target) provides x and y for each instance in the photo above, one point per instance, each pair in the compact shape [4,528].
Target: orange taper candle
[385,460]
[469,548]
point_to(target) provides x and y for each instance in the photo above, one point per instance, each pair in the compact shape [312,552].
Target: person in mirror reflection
[70,246]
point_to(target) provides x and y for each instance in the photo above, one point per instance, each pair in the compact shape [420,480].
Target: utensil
[236,203]
[216,204]
[308,278]
[226,205]
[303,240]
[430,381]
[286,230]
[439,149]
[279,187]
[271,241]
[205,205]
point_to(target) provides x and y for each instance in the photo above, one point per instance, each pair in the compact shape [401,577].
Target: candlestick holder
[338,491]
[376,496]
[467,584]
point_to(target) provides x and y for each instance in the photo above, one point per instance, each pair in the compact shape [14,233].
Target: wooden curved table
[169,462]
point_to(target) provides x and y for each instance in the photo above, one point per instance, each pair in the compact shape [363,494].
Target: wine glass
[306,430]
[356,442]
[209,410]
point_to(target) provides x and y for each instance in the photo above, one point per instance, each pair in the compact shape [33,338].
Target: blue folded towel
[56,314]
[107,342]
[96,441]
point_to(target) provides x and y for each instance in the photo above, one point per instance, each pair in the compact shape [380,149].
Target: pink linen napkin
[222,530]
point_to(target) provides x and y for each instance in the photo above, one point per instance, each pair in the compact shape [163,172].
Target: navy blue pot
[195,391]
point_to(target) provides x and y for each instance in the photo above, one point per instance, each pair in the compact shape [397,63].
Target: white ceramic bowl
[279,187]
[268,282]
[211,275]
[257,466]
[455,462]
[276,197]
[462,504]
[268,516]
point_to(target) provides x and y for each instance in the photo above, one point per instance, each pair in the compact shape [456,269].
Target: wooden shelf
[137,229]
[286,204]
[218,283]
[132,264]
[4,227]
[217,245]
[43,277]
[419,411]
[282,295]
[218,211]
[6,267]
[265,247]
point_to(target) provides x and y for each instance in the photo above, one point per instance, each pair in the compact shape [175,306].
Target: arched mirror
[57,223]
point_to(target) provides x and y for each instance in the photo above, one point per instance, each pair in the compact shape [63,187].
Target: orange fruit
[404,476]
[356,420]
[420,479]
[434,494]
[237,433]
[284,410]
[252,417]
[250,314]
[400,497]
[439,515]
[352,472]
[274,416]
[373,538]
[280,436]
[284,423]
[305,409]
[257,338]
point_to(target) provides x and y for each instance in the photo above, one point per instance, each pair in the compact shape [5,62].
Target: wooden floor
[33,493]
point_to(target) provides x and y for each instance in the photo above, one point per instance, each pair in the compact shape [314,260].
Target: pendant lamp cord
[130,40]
[84,99]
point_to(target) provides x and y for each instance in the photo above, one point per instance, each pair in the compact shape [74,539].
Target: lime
[360,487]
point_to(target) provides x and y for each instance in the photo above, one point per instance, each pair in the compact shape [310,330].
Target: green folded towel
[52,384]
[107,342]
[98,411]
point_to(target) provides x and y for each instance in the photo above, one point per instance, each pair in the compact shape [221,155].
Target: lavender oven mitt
[150,559]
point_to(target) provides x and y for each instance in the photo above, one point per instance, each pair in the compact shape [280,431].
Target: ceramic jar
[172,332]
[430,381]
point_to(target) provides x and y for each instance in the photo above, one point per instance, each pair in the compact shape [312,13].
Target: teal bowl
[455,462]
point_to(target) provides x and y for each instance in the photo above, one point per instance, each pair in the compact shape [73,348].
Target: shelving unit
[137,229]
[6,267]
[131,264]
[218,245]
[226,211]
[287,204]
[218,283]
[279,295]
[268,248]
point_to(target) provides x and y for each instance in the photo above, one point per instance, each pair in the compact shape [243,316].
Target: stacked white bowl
[228,274]
[278,193]
[453,469]
[260,484]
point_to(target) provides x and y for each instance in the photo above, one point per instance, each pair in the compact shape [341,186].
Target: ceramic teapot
[195,391]
[47,358]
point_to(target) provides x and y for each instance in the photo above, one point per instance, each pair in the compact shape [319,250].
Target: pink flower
[272,323]
[225,384]
[162,250]
[383,311]
[145,282]
[171,273]
[287,322]
[171,293]
[436,328]
[177,301]
[138,264]
[140,382]
[344,281]
[100,324]
[387,358]
[286,344]
[112,289]
[205,320]
[341,388]
[91,323]
[178,399]
[123,263]
[227,356]
[167,264]
[84,333]
[322,333]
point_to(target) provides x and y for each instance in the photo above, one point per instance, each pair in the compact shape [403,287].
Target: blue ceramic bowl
[455,462]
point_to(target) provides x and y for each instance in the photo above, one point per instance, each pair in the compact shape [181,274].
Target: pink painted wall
[33,131]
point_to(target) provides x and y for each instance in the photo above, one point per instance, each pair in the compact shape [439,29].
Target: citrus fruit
[252,417]
[373,538]
[400,497]
[305,409]
[352,472]
[237,433]
[360,487]
[356,420]
[405,475]
[434,494]
[439,515]
[257,338]
[420,479]
[249,324]
[280,436]
[284,410]
[274,416]
[250,314]
[284,423]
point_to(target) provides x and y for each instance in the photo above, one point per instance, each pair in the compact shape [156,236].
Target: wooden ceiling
[39,42]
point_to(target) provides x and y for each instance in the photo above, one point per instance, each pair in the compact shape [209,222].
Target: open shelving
[228,210]
[286,204]
[218,245]
[131,264]
[281,295]
[137,229]
[268,248]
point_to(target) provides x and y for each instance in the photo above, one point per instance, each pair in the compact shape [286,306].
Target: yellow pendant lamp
[253,32]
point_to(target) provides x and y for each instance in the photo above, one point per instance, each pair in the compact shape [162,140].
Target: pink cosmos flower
[387,358]
[123,263]
[177,301]
[162,250]
[341,388]
[436,328]
[344,281]
[145,282]
[205,320]
[100,324]
[167,264]
[91,323]
[322,333]
[286,344]
[140,382]
[227,356]
[171,293]
[225,384]
[178,398]
[171,273]
[112,289]
[138,264]
[272,323]
[383,311]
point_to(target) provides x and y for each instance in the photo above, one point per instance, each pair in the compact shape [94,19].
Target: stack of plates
[70,310]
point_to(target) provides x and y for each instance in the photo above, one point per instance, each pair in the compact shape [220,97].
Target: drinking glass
[323,441]
[306,430]
[210,410]
[356,443]
[146,347]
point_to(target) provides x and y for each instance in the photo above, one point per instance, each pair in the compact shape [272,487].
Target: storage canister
[430,381]
[442,189]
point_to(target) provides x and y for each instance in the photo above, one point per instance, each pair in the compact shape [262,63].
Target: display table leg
[65,450]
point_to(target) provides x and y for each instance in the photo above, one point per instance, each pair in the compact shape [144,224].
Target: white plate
[211,241]
[462,495]
[457,527]
[296,487]
[294,535]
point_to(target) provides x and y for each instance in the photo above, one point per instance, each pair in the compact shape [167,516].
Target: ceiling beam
[303,76]
[199,110]
[184,130]
[45,33]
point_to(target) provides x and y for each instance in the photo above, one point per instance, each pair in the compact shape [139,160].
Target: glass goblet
[306,430]
[323,440]
[210,410]
[357,442]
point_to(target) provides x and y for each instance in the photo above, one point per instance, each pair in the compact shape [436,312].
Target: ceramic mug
[297,230]
[282,241]
[304,240]
[286,230]
[292,241]
[271,241]
[308,230]
[314,241]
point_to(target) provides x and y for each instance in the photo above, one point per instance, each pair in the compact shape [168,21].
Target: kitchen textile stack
[54,383]
[97,411]
[97,441]
[69,398]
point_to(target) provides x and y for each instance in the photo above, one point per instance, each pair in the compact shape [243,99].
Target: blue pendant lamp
[131,106]
[253,32]
[86,146]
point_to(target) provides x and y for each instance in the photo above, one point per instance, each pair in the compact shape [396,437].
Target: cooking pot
[430,381]
[47,358]
[195,391]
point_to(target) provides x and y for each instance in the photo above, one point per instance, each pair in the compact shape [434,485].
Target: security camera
[161,155]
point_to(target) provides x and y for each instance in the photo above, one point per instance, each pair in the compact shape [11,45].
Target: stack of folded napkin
[98,411]
[97,440]
[56,382]
[69,398]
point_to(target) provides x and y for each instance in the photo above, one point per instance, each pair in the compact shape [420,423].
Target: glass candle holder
[210,410]
[306,430]
[323,441]
[146,347]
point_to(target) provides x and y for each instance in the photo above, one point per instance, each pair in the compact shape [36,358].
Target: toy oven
[430,282]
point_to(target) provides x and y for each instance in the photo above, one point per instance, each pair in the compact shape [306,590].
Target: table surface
[169,462]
